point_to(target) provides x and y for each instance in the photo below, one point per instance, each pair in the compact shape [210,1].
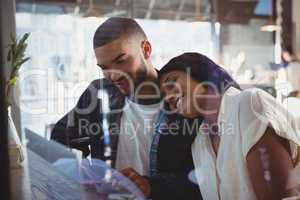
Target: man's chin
[125,92]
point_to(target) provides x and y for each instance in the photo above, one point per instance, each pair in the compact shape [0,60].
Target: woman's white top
[243,119]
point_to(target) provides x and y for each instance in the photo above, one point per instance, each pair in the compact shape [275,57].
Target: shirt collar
[227,101]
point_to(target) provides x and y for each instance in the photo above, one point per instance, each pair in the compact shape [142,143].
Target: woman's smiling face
[183,94]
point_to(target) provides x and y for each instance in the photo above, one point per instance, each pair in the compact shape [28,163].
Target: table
[39,180]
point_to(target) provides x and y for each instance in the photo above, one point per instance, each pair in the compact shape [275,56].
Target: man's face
[123,63]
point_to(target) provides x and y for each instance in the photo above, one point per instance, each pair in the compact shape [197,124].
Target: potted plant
[15,59]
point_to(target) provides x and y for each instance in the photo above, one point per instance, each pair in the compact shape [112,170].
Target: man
[156,159]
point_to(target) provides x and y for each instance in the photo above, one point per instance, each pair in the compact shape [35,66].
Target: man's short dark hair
[115,27]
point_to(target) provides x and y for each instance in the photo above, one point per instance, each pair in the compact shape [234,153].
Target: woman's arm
[270,164]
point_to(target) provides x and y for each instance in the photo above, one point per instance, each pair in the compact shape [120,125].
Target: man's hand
[138,180]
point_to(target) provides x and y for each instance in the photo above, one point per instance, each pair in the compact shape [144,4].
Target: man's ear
[146,49]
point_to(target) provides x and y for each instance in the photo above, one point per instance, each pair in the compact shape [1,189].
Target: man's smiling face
[122,63]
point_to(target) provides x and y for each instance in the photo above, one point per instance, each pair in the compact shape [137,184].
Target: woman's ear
[146,49]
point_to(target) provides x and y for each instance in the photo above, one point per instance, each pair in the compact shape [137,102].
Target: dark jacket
[82,129]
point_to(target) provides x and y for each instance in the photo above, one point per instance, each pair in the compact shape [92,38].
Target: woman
[246,147]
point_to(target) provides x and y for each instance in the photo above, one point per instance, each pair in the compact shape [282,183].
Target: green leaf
[17,65]
[16,57]
[23,39]
[13,43]
[13,81]
[20,51]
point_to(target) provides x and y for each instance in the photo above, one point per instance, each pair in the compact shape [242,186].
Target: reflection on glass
[92,175]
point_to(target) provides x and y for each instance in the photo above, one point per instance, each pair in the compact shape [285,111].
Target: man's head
[123,52]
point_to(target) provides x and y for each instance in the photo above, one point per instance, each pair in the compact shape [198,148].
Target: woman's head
[191,81]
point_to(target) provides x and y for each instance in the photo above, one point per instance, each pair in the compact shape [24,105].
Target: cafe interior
[48,61]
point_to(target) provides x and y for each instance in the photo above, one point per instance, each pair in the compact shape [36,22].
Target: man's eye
[171,81]
[102,67]
[169,85]
[120,61]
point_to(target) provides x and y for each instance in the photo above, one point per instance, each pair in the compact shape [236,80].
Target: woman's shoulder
[252,93]
[253,104]
[255,98]
[248,94]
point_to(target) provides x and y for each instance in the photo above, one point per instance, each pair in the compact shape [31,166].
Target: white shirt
[292,104]
[136,134]
[243,118]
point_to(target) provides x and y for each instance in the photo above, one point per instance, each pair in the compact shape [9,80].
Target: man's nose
[112,76]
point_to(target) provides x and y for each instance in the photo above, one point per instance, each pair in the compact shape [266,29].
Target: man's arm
[63,134]
[67,128]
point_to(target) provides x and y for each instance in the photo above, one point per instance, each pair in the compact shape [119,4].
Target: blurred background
[249,38]
[256,41]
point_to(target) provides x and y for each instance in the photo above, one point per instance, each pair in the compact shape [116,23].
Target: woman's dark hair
[201,69]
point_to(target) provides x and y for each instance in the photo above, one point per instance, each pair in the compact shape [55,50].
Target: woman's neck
[212,106]
[211,119]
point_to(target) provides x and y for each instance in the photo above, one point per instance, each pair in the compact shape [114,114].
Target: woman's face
[183,94]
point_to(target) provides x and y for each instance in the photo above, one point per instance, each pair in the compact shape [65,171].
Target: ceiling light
[270,26]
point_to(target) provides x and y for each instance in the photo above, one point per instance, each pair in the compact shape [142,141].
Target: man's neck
[147,92]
